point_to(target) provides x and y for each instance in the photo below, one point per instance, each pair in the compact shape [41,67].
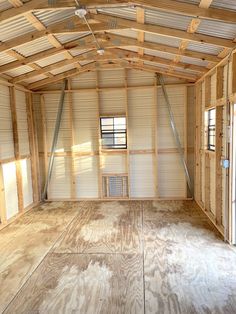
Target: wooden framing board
[33,148]
[72,130]
[155,138]
[44,132]
[207,92]
[16,149]
[219,82]
[198,129]
[234,73]
[3,210]
[207,182]
[127,132]
[218,167]
[100,183]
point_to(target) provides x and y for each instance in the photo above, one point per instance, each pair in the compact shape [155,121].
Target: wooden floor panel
[25,242]
[172,209]
[116,257]
[187,268]
[88,283]
[107,227]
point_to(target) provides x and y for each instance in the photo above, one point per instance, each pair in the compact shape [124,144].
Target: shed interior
[117,124]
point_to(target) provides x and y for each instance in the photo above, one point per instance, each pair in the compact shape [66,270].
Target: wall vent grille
[115,186]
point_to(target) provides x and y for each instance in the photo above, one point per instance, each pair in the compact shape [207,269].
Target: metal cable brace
[55,139]
[175,132]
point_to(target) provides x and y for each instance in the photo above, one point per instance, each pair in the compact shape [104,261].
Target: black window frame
[113,132]
[211,130]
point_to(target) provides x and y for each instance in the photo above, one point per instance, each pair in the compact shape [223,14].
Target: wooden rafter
[166,31]
[61,28]
[205,4]
[129,55]
[51,38]
[192,28]
[90,67]
[44,54]
[140,12]
[118,53]
[166,5]
[57,28]
[109,41]
[127,41]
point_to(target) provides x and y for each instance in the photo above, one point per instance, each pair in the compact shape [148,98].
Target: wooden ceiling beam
[118,40]
[165,31]
[110,41]
[193,10]
[90,67]
[21,10]
[123,53]
[66,27]
[50,67]
[149,68]
[64,75]
[88,43]
[205,4]
[165,5]
[202,11]
[118,53]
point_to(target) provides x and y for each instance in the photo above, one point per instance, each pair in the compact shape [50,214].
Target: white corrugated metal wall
[7,153]
[151,162]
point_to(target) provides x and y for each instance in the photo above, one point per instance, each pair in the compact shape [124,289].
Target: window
[211,129]
[113,133]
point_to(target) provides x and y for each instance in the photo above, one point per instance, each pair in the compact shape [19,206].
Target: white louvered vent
[115,186]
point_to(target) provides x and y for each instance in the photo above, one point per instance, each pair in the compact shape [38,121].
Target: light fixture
[100,51]
[81,12]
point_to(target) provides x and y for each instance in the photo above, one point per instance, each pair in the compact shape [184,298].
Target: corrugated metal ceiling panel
[197,2]
[224,4]
[127,13]
[155,64]
[77,52]
[50,17]
[127,33]
[187,71]
[158,39]
[19,71]
[5,58]
[88,62]
[5,5]
[217,29]
[160,54]
[34,47]
[63,69]
[167,19]
[205,48]
[64,38]
[36,79]
[50,60]
[133,49]
[14,28]
[194,61]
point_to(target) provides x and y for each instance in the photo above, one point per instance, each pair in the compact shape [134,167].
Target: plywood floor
[116,257]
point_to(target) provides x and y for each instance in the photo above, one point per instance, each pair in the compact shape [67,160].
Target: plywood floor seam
[116,257]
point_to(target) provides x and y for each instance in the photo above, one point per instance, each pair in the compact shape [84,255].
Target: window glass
[211,129]
[113,133]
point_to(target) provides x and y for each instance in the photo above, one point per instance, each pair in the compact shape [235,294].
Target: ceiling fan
[81,12]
